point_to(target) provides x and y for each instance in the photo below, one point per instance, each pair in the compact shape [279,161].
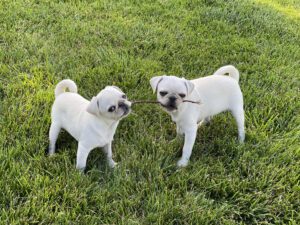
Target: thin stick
[190,101]
[157,102]
[144,101]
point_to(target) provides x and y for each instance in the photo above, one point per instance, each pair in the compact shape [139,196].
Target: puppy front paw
[182,163]
[80,169]
[241,138]
[112,163]
[50,151]
[179,131]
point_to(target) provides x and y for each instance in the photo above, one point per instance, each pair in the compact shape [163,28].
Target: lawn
[125,43]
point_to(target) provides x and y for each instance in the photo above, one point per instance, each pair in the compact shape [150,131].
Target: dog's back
[218,93]
[68,107]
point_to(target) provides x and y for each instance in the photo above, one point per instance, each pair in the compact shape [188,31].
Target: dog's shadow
[64,141]
[218,138]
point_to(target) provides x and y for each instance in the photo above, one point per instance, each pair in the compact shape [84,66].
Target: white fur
[231,70]
[217,93]
[61,87]
[89,123]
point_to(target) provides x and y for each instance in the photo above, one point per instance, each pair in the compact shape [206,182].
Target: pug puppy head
[110,103]
[171,91]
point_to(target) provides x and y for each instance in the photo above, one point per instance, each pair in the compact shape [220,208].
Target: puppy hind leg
[238,115]
[179,135]
[205,121]
[53,134]
[179,130]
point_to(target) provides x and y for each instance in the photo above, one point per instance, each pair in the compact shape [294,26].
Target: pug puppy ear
[154,81]
[189,85]
[115,87]
[93,107]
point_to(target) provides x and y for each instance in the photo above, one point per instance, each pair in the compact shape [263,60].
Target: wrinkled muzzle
[171,103]
[126,107]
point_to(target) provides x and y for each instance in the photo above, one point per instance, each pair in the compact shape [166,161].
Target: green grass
[125,43]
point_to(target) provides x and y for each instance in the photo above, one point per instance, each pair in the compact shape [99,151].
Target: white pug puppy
[92,123]
[216,93]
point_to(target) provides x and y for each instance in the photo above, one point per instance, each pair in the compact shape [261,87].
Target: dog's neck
[110,122]
[180,113]
[176,115]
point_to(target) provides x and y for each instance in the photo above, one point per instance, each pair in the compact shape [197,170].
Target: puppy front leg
[82,155]
[179,131]
[108,151]
[189,140]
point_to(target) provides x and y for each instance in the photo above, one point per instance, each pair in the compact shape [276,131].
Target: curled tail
[63,85]
[231,70]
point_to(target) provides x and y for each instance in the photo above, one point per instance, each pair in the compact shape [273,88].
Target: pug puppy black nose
[123,105]
[172,99]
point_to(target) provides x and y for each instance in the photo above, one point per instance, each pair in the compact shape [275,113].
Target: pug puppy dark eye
[163,93]
[112,108]
[182,95]
[124,96]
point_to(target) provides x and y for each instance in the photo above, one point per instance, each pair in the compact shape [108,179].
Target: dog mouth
[126,110]
[169,107]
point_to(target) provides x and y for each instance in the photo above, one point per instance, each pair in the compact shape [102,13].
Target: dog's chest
[178,116]
[98,135]
[187,116]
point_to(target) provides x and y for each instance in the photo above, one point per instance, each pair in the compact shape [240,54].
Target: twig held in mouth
[144,101]
[157,102]
[190,101]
